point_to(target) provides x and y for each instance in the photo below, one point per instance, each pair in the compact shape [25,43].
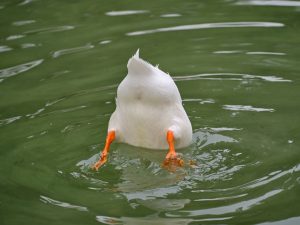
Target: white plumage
[149,104]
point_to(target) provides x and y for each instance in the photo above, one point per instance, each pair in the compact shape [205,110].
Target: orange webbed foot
[103,158]
[172,162]
[100,163]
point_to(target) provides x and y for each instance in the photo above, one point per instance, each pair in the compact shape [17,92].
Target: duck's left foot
[100,163]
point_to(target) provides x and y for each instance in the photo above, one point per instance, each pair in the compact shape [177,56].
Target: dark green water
[236,64]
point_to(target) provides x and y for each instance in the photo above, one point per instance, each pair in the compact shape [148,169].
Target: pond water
[236,64]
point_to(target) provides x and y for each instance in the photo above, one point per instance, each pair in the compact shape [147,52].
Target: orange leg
[172,159]
[103,158]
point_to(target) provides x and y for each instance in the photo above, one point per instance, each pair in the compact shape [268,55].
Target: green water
[236,64]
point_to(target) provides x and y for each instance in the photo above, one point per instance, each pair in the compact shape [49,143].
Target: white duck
[149,113]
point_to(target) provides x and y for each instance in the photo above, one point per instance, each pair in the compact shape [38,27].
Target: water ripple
[29,45]
[90,180]
[65,110]
[51,201]
[246,108]
[227,52]
[154,219]
[220,198]
[23,22]
[125,12]
[50,29]
[15,70]
[204,138]
[14,37]
[152,193]
[201,101]
[206,26]
[220,129]
[272,176]
[240,206]
[39,111]
[4,48]
[248,53]
[9,120]
[265,53]
[33,115]
[269,3]
[161,205]
[142,220]
[72,50]
[25,2]
[289,221]
[73,108]
[170,15]
[36,113]
[229,76]
[104,42]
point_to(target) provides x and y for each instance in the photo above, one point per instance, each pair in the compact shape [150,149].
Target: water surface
[236,63]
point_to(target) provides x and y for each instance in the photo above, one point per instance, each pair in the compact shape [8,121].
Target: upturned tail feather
[136,65]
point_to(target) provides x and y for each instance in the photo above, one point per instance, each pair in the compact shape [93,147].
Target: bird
[149,113]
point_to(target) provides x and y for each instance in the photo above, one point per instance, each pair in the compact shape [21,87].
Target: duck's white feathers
[148,104]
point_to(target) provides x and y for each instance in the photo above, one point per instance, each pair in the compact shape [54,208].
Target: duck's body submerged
[149,108]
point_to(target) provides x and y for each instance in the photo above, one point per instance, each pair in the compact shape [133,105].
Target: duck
[149,113]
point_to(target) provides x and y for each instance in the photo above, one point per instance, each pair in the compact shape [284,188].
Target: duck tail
[136,65]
